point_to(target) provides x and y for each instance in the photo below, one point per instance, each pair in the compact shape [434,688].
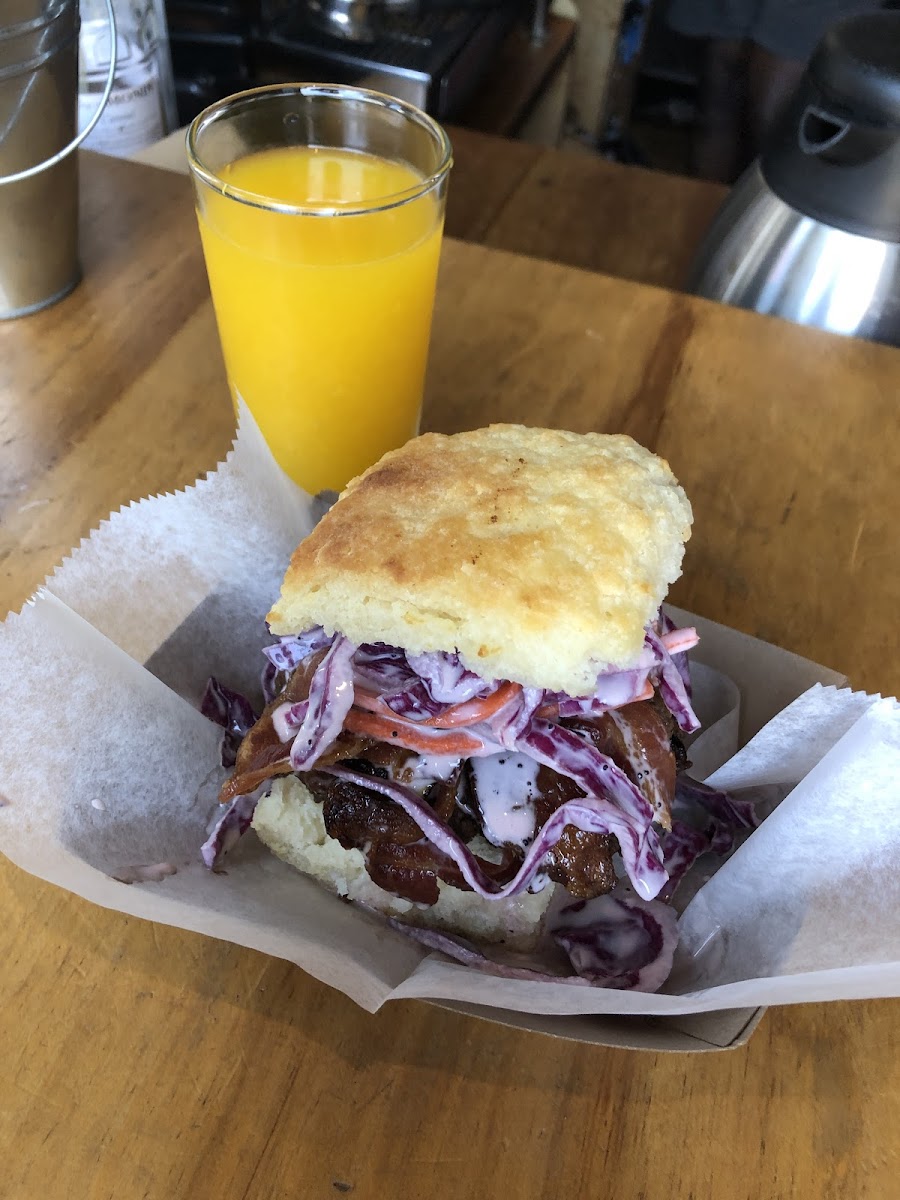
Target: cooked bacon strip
[262,755]
[242,785]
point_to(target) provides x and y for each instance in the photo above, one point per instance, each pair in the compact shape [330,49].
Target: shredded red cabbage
[671,685]
[230,827]
[465,952]
[382,668]
[271,681]
[314,723]
[655,667]
[289,652]
[739,814]
[681,661]
[619,943]
[614,690]
[575,756]
[413,703]
[682,846]
[509,723]
[704,821]
[623,944]
[448,681]
[232,711]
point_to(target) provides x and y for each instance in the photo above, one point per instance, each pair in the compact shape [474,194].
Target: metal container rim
[67,8]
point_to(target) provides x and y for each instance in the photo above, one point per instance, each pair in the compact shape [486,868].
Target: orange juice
[324,319]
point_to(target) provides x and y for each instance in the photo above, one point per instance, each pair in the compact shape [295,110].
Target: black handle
[834,155]
[820,130]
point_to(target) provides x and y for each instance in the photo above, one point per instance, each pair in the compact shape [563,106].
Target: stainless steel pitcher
[38,166]
[811,232]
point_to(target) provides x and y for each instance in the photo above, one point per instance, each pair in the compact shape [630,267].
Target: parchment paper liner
[104,758]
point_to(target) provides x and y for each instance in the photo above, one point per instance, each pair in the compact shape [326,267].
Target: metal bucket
[38,169]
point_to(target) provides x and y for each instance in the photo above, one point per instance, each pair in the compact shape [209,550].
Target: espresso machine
[433,53]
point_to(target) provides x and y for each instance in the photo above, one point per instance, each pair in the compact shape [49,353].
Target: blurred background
[605,76]
[685,86]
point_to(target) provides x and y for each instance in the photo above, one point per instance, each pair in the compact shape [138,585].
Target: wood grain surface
[588,212]
[563,205]
[143,1062]
[486,173]
[578,209]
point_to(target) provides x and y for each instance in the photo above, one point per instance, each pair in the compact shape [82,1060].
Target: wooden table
[139,1061]
[562,205]
[578,209]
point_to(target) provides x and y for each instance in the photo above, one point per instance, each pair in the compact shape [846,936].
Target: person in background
[754,54]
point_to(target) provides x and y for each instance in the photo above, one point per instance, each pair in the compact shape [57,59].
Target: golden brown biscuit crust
[539,555]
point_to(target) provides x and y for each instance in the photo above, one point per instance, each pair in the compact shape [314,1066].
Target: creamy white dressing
[622,937]
[609,937]
[619,688]
[506,786]
[422,770]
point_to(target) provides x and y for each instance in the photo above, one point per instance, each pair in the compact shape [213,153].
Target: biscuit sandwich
[475,699]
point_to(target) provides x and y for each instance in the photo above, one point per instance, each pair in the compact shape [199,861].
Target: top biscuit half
[538,555]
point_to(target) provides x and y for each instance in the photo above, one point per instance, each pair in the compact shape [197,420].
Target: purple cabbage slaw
[418,687]
[656,666]
[313,724]
[704,821]
[619,942]
[229,828]
[431,682]
[232,711]
[681,661]
[612,941]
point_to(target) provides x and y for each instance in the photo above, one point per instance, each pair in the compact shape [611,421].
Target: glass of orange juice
[321,209]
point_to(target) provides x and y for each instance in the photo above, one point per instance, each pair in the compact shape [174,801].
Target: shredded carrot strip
[646,693]
[411,736]
[380,721]
[680,639]
[470,712]
[371,703]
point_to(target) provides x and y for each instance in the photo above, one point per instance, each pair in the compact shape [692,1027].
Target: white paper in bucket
[106,776]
